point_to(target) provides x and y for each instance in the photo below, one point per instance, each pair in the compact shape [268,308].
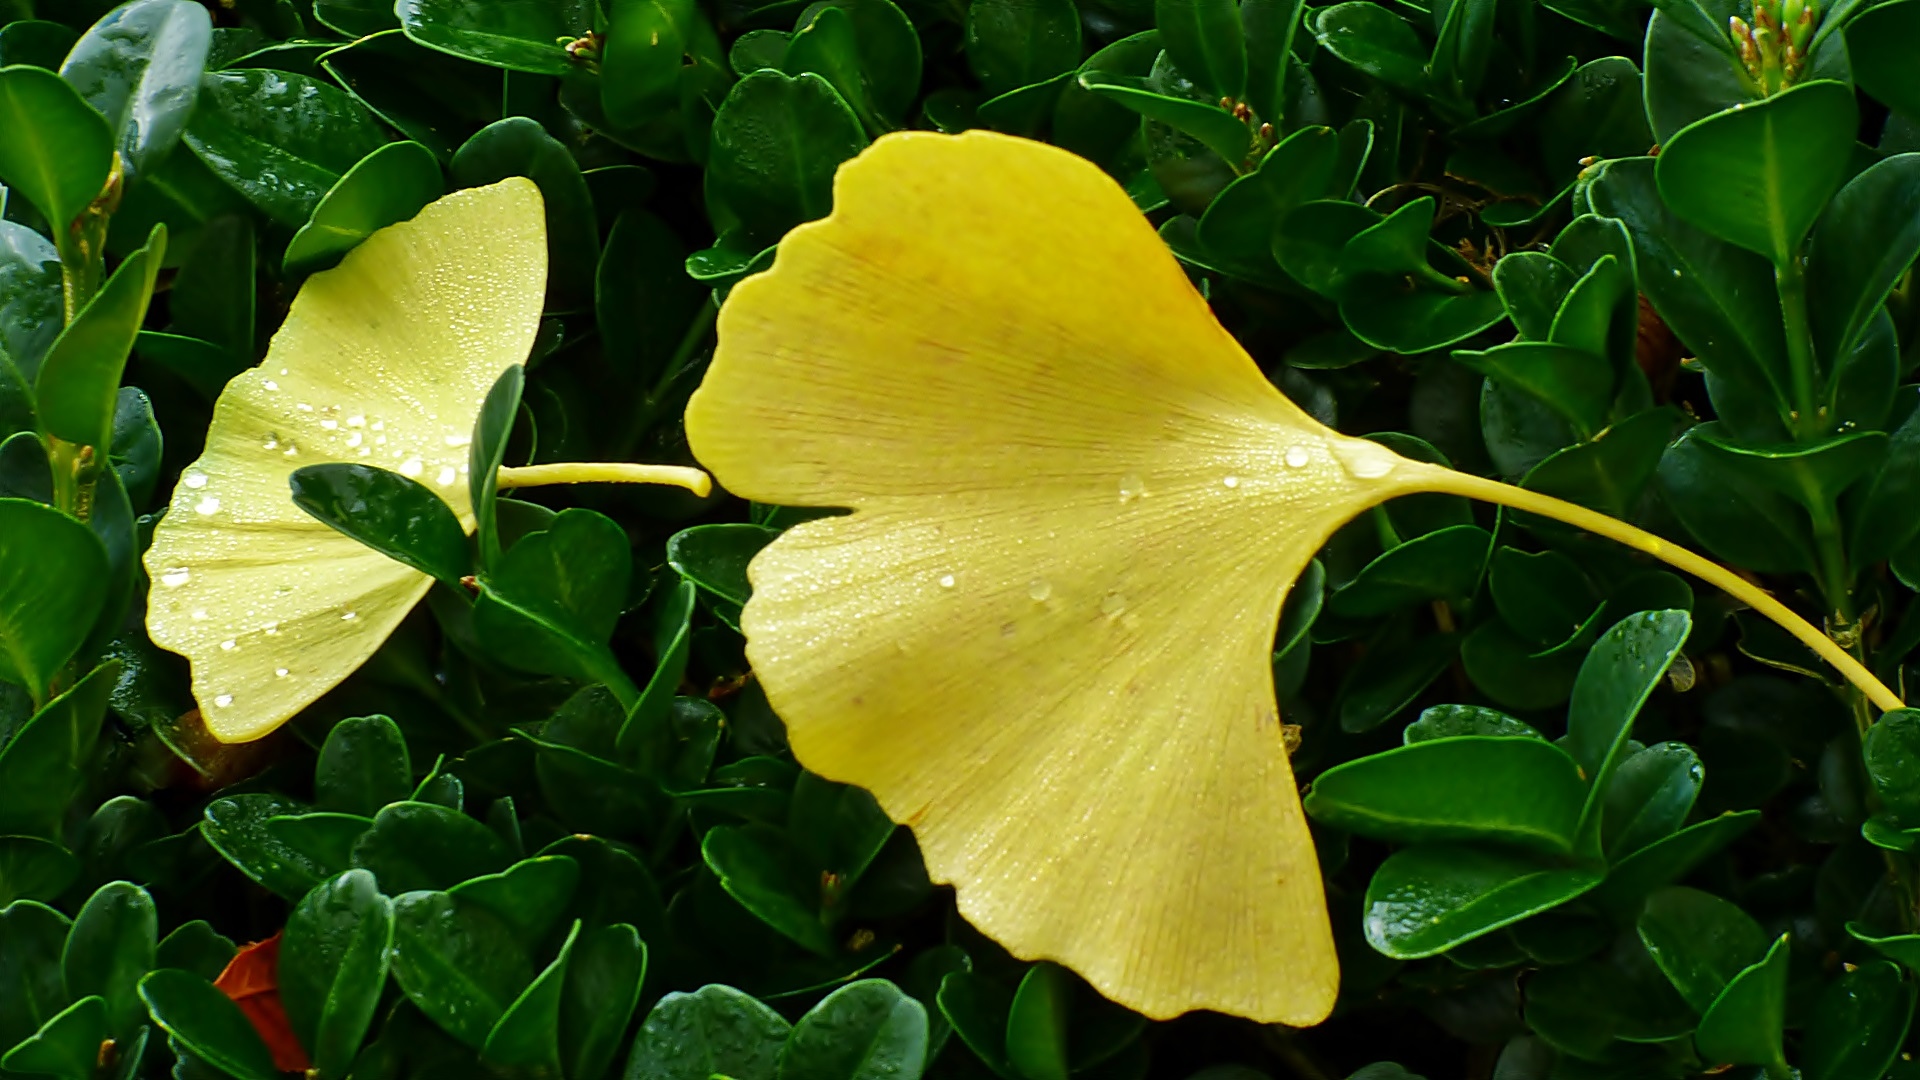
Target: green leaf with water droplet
[715,1030]
[1428,898]
[395,515]
[1523,792]
[459,963]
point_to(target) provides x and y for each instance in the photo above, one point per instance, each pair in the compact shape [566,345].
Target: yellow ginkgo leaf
[1043,636]
[383,361]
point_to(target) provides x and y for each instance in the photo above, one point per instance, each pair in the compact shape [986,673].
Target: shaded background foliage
[1435,225]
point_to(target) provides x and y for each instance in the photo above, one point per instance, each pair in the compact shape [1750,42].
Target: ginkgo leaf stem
[1448,481]
[606,472]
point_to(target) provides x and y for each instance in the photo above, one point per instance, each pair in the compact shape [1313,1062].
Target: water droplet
[411,467]
[1364,460]
[1676,271]
[1114,604]
[366,451]
[279,673]
[199,614]
[207,505]
[272,629]
[1132,487]
[458,440]
[379,425]
[1298,456]
[946,581]
[271,385]
[446,476]
[1039,589]
[195,479]
[330,424]
[174,578]
[349,616]
[356,421]
[290,451]
[271,444]
[229,645]
[303,406]
[223,700]
[1232,481]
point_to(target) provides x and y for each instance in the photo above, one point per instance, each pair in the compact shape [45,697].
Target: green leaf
[776,142]
[1616,679]
[1892,751]
[34,869]
[58,148]
[1651,794]
[355,18]
[1718,299]
[1518,791]
[1743,1026]
[888,48]
[1812,474]
[824,45]
[602,989]
[459,963]
[195,947]
[1426,899]
[644,301]
[1311,237]
[1037,1023]
[279,138]
[838,827]
[1238,225]
[31,316]
[387,186]
[978,1008]
[1701,941]
[235,826]
[758,867]
[79,381]
[1459,61]
[1859,1024]
[1442,565]
[140,66]
[1216,128]
[714,1031]
[394,515]
[110,947]
[519,146]
[519,35]
[647,44]
[325,838]
[333,966]
[1759,176]
[1881,64]
[1375,41]
[1397,318]
[207,1023]
[528,1033]
[1543,596]
[552,601]
[44,764]
[419,845]
[1575,383]
[37,42]
[363,766]
[1015,43]
[67,1046]
[1205,41]
[1737,519]
[1532,285]
[485,455]
[31,988]
[530,896]
[1448,721]
[866,1030]
[1582,1008]
[715,557]
[1868,237]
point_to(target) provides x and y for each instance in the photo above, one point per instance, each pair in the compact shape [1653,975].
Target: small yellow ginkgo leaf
[1043,637]
[383,360]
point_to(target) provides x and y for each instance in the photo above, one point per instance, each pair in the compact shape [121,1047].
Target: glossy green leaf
[1575,383]
[758,867]
[485,455]
[1735,518]
[34,869]
[235,826]
[888,48]
[1015,43]
[1429,898]
[552,601]
[31,988]
[1812,474]
[279,138]
[528,1033]
[363,766]
[394,515]
[67,1046]
[519,146]
[110,947]
[715,557]
[1652,792]
[1758,177]
[58,148]
[45,761]
[1374,41]
[197,947]
[326,839]
[1204,39]
[140,66]
[645,49]
[1618,675]
[777,140]
[1532,285]
[206,1022]
[1892,751]
[648,738]
[1037,1023]
[1875,43]
[79,381]
[1518,791]
[1217,129]
[531,895]
[602,988]
[387,186]
[1701,941]
[1868,237]
[1458,64]
[459,964]
[333,966]
[418,845]
[714,1031]
[1444,564]
[355,18]
[866,1030]
[35,42]
[1239,224]
[1448,721]
[1692,71]
[645,303]
[1859,1024]
[519,35]
[1743,1026]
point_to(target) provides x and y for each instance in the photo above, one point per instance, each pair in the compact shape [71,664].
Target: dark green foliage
[1577,820]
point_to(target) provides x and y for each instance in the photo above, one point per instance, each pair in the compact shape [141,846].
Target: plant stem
[1790,280]
[1447,481]
[605,472]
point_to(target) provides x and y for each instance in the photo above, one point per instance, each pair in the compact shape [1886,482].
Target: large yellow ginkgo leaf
[383,360]
[1043,637]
